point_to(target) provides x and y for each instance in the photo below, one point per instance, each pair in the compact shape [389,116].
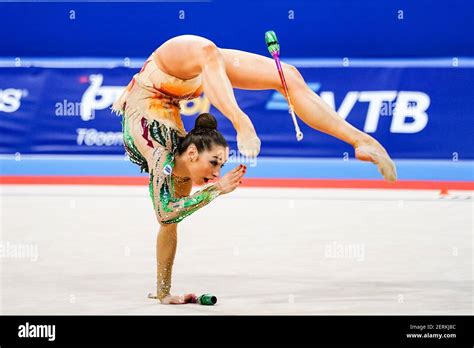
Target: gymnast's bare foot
[370,150]
[248,142]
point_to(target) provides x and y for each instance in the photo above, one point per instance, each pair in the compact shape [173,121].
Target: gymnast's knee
[293,77]
[211,52]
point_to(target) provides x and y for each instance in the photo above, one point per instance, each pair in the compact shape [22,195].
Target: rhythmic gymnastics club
[274,49]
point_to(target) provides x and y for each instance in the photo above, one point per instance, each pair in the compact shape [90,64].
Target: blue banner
[415,112]
[305,28]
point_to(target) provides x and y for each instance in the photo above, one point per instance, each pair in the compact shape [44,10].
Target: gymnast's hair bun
[204,135]
[206,122]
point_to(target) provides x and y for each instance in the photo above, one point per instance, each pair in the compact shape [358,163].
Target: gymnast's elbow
[166,219]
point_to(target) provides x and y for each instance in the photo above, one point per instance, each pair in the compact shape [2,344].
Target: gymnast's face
[206,165]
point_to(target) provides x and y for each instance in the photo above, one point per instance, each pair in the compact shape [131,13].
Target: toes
[248,146]
[388,171]
[385,165]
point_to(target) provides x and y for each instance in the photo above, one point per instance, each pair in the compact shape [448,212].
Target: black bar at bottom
[452,331]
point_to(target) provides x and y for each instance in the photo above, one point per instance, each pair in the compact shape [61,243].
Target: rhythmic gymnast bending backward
[155,139]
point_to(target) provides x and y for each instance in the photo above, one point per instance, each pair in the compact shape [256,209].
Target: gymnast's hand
[172,299]
[231,180]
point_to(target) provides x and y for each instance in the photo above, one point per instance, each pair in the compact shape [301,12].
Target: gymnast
[155,139]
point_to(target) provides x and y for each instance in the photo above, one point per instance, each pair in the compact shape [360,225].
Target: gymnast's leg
[186,56]
[251,71]
[225,69]
[218,88]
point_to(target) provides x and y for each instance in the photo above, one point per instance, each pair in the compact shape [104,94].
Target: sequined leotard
[152,130]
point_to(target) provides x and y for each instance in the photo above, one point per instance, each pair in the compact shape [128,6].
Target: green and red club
[274,49]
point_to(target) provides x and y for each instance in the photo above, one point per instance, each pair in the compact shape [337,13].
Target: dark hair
[204,135]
